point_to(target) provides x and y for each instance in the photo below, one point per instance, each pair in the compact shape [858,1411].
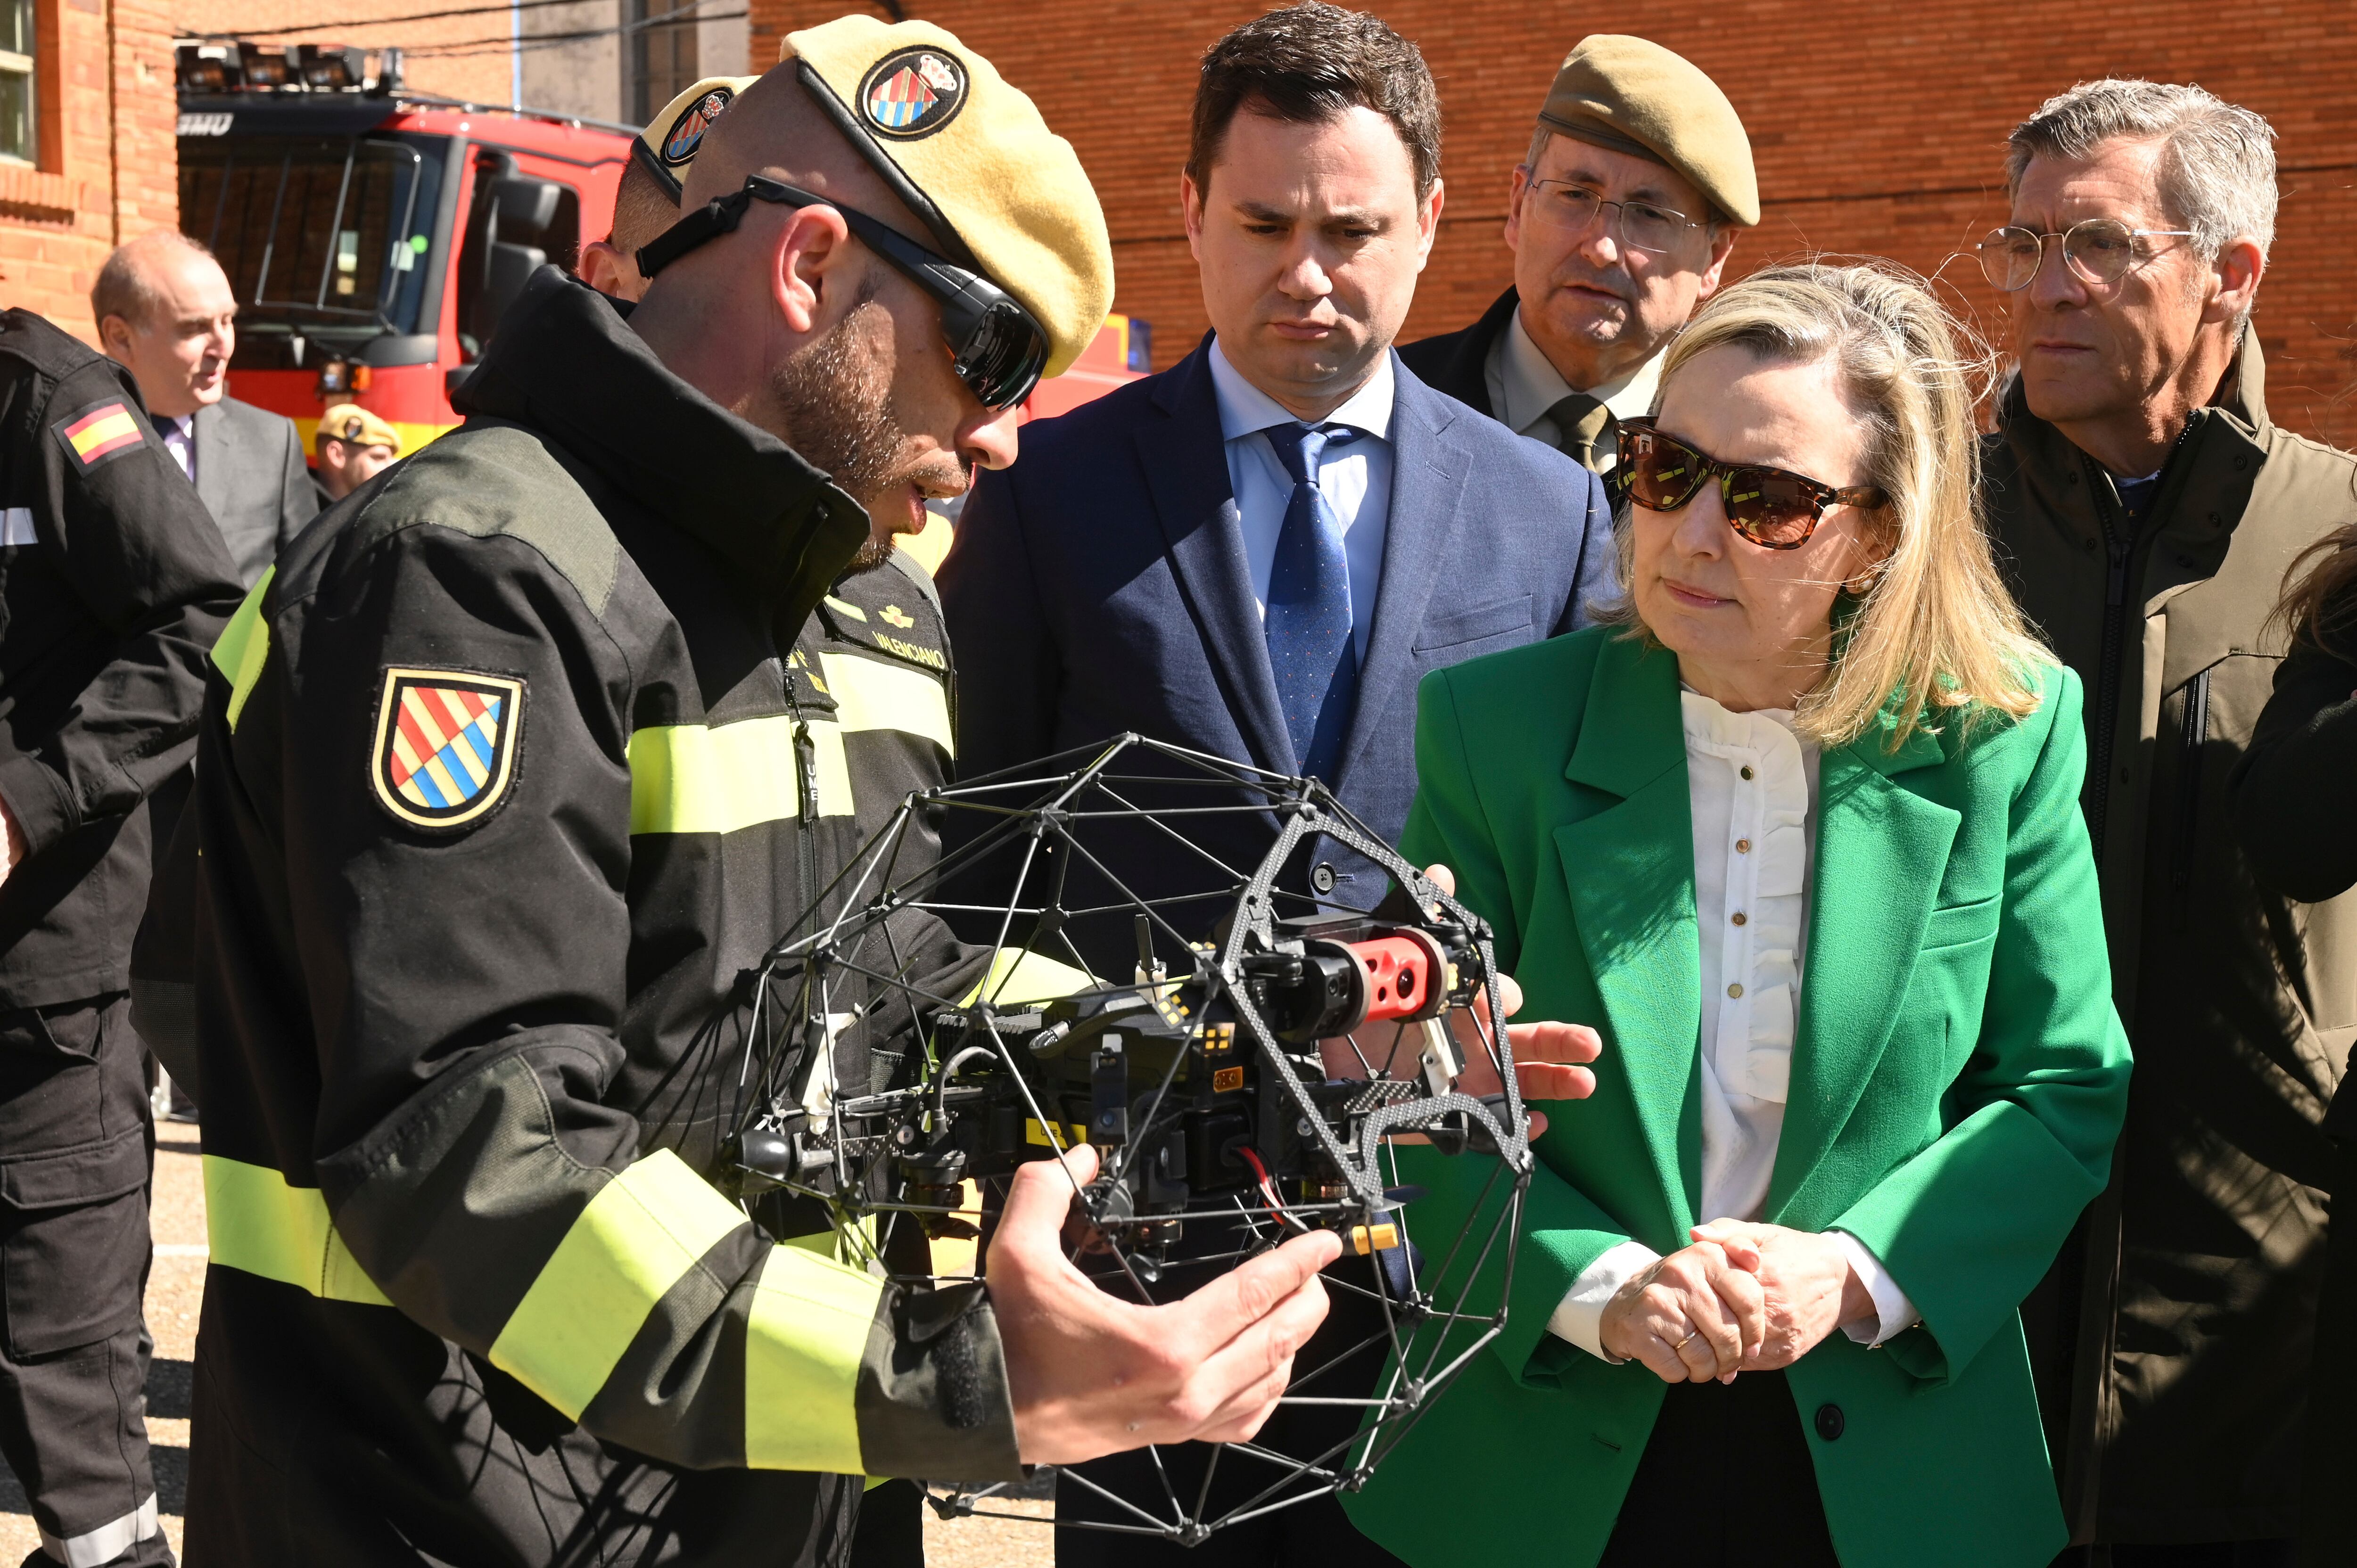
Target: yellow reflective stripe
[1018,976]
[872,694]
[244,646]
[256,1222]
[697,779]
[803,1343]
[638,1236]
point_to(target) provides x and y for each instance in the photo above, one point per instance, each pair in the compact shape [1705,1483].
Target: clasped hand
[1744,1297]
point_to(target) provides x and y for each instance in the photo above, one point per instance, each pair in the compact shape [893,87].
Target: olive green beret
[1635,96]
[672,137]
[972,159]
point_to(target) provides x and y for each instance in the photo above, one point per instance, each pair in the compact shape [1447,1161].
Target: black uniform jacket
[113,583]
[504,788]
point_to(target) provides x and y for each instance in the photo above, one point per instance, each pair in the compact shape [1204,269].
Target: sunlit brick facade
[1878,128]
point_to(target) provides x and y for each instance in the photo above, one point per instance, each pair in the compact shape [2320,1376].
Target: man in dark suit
[1620,220]
[1162,560]
[1257,554]
[165,313]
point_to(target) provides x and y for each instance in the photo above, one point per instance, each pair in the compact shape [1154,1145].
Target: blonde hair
[1935,632]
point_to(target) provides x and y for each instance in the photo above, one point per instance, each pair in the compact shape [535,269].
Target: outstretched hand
[1091,1374]
[1545,1054]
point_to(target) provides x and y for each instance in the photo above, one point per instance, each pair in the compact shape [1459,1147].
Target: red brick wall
[107,167]
[1877,129]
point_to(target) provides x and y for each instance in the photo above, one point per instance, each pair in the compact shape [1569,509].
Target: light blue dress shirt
[1357,480]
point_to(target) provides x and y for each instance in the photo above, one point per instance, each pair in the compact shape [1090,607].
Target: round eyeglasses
[2099,251]
[1639,225]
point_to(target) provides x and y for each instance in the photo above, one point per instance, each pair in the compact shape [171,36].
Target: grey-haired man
[2148,507]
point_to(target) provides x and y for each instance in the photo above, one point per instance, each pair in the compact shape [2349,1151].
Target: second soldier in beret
[351,448]
[1621,219]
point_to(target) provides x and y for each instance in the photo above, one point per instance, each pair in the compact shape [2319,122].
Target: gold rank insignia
[895,615]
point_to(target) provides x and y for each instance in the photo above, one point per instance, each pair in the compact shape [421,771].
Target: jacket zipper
[2107,677]
[2193,733]
[806,804]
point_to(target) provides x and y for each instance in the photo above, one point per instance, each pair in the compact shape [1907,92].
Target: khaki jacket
[2173,1347]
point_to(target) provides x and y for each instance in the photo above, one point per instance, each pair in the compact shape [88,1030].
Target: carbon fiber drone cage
[1222,1122]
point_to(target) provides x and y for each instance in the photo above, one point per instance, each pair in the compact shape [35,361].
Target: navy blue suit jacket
[1100,586]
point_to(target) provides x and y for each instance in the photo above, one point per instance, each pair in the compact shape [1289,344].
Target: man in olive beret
[1620,220]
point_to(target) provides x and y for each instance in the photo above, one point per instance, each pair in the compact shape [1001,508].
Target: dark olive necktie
[1580,419]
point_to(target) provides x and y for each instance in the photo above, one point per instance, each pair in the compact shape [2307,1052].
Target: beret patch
[686,132]
[911,93]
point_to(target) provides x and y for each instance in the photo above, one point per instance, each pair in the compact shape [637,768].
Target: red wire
[1268,1187]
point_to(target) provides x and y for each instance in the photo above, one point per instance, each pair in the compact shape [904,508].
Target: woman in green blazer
[1801,837]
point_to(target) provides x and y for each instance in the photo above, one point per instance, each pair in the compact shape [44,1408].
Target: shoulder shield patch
[446,745]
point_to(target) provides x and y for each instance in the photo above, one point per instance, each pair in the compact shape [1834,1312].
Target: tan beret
[971,156]
[1635,96]
[351,421]
[669,142]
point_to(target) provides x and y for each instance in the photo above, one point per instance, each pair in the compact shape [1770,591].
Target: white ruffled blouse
[1752,783]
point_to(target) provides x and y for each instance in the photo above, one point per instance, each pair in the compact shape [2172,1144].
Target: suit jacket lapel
[1185,460]
[1882,852]
[213,459]
[1629,869]
[1428,471]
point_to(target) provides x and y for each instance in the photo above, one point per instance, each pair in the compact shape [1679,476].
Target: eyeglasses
[998,349]
[1641,225]
[2100,251]
[1774,509]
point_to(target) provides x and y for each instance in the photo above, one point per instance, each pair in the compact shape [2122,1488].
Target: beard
[836,398]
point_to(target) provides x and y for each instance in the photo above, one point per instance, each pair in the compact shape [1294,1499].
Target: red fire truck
[373,236]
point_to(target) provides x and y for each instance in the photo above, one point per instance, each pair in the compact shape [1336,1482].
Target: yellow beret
[669,144]
[351,421]
[972,158]
[1635,96]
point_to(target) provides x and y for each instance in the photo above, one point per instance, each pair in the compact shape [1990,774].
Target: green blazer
[1957,1082]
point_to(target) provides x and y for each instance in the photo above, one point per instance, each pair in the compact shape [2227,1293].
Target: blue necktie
[1308,619]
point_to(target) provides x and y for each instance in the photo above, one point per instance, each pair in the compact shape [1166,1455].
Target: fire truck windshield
[330,239]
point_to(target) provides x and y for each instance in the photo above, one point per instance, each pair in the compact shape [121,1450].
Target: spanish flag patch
[97,434]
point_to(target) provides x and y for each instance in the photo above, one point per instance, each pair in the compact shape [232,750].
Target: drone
[1257,1073]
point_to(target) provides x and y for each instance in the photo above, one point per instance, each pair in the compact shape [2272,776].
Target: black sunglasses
[1772,508]
[998,347]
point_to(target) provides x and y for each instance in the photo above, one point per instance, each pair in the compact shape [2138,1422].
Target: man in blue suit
[1258,553]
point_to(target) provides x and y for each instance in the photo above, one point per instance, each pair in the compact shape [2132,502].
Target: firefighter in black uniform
[115,581]
[512,769]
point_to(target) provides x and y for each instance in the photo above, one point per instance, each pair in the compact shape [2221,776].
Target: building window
[17,113]
[662,55]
